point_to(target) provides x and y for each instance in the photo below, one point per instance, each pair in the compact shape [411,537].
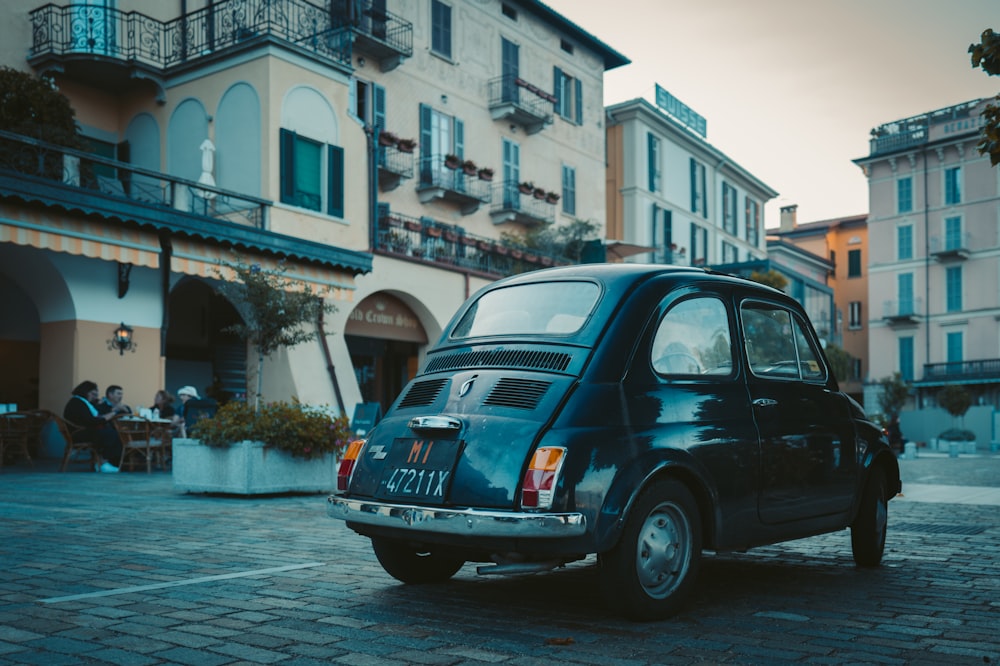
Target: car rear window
[541,308]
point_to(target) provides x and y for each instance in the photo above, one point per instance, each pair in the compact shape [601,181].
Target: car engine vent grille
[422,393]
[502,358]
[519,393]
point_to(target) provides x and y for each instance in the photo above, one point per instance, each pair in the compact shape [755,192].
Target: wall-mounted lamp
[122,340]
[361,62]
[444,99]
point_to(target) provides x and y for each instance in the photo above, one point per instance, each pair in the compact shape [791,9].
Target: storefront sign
[681,112]
[383,316]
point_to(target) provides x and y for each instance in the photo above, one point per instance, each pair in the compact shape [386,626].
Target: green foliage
[772,278]
[986,54]
[955,399]
[33,107]
[303,431]
[840,361]
[565,241]
[895,392]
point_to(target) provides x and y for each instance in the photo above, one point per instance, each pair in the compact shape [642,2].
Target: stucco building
[314,134]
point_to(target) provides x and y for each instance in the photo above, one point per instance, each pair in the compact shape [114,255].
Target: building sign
[681,112]
[384,316]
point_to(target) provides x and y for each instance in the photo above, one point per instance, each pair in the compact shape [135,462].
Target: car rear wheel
[869,527]
[414,565]
[654,565]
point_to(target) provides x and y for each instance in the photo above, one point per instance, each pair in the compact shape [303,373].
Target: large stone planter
[248,468]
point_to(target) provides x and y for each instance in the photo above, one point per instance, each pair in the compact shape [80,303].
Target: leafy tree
[986,54]
[955,399]
[274,308]
[34,107]
[840,361]
[771,278]
[895,392]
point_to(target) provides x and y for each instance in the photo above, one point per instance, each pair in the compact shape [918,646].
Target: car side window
[777,344]
[693,339]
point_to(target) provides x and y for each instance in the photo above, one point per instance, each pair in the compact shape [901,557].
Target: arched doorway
[199,352]
[19,348]
[384,337]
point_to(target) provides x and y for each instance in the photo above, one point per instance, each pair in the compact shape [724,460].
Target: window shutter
[557,89]
[287,141]
[459,138]
[335,170]
[579,102]
[694,187]
[651,160]
[704,193]
[378,106]
[425,143]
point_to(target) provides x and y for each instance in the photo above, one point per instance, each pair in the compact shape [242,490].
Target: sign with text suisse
[681,112]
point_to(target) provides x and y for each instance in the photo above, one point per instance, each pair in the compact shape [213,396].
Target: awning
[621,249]
[193,258]
[52,230]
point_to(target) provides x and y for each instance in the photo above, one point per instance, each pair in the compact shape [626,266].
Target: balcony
[987,370]
[450,247]
[394,165]
[112,50]
[514,99]
[377,32]
[515,203]
[456,185]
[952,247]
[903,312]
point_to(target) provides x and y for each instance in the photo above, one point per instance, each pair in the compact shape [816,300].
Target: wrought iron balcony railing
[393,165]
[512,98]
[950,246]
[988,369]
[438,181]
[135,38]
[514,203]
[448,246]
[377,32]
[902,311]
[63,166]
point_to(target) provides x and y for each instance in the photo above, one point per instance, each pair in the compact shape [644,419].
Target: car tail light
[541,477]
[347,463]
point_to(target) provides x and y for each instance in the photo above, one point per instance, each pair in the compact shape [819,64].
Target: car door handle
[764,402]
[435,423]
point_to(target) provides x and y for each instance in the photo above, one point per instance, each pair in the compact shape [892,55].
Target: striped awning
[52,230]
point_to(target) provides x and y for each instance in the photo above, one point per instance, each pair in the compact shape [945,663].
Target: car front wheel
[414,565]
[869,527]
[653,567]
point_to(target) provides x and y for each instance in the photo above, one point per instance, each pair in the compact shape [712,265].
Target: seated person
[194,407]
[112,401]
[96,427]
[163,403]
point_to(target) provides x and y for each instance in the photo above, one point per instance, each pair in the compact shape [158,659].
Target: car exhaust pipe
[514,568]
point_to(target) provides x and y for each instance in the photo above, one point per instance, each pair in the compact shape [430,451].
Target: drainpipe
[166,255]
[329,365]
[927,269]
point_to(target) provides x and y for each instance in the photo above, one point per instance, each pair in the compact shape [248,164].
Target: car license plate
[419,469]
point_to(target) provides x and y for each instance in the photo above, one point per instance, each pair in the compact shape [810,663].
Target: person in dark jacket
[895,435]
[81,410]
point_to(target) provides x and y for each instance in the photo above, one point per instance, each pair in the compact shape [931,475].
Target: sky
[791,89]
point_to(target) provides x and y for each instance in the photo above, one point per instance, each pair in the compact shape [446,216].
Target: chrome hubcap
[663,551]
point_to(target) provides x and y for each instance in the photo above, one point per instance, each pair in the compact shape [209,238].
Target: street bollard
[910,451]
[952,449]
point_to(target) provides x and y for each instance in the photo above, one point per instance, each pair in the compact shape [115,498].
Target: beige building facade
[313,135]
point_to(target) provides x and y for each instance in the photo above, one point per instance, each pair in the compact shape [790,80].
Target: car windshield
[541,308]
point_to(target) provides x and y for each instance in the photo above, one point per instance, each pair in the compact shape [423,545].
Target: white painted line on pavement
[176,583]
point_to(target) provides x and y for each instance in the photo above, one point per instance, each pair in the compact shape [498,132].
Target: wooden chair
[138,442]
[67,429]
[15,431]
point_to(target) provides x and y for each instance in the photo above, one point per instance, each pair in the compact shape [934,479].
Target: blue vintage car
[642,413]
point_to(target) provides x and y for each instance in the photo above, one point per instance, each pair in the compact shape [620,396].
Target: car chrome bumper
[467,522]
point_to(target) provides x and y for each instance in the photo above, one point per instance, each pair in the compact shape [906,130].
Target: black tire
[654,566]
[869,527]
[412,565]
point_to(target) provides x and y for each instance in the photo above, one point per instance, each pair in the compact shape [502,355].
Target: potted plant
[469,168]
[452,161]
[387,138]
[280,447]
[538,193]
[406,145]
[486,173]
[527,187]
[552,197]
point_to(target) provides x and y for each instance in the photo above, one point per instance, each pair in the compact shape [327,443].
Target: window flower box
[387,139]
[469,168]
[452,161]
[486,173]
[406,145]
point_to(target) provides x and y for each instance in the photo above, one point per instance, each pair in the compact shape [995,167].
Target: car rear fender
[630,483]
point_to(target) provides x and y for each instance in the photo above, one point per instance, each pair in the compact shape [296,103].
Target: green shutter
[287,148]
[557,89]
[378,106]
[579,102]
[425,144]
[459,138]
[335,170]
[694,186]
[651,160]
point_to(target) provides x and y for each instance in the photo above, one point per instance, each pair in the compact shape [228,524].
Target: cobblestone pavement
[121,569]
